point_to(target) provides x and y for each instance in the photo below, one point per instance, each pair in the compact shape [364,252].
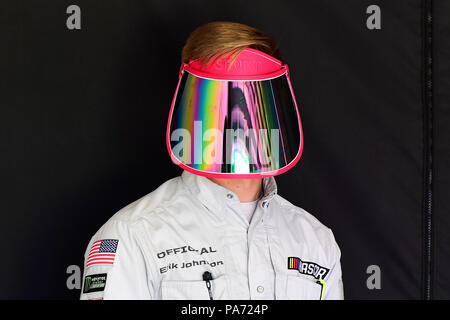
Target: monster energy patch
[94,282]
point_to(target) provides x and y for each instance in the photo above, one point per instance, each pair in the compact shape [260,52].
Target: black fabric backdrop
[83,116]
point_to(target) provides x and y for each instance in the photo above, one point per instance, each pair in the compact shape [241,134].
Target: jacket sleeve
[114,267]
[334,289]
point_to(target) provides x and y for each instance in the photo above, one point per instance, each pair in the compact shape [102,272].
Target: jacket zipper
[428,148]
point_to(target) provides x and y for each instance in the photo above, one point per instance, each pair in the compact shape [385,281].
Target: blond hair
[218,39]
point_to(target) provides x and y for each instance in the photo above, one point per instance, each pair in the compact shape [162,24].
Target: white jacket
[160,246]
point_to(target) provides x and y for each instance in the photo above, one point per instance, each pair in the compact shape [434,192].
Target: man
[221,231]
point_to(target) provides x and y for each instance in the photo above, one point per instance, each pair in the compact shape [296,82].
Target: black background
[83,116]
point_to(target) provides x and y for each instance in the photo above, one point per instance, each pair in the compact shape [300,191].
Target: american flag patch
[102,252]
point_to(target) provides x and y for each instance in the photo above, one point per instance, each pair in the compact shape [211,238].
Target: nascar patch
[94,283]
[307,268]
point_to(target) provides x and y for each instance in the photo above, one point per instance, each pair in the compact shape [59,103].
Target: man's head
[233,115]
[218,38]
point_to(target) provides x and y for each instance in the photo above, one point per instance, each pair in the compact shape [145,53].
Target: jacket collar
[215,197]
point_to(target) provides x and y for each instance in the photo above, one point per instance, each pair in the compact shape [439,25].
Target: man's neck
[247,190]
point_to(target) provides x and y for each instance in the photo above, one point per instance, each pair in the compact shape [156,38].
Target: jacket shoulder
[300,219]
[126,223]
[150,203]
[299,212]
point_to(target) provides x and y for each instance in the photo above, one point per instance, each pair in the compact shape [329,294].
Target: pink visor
[235,119]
